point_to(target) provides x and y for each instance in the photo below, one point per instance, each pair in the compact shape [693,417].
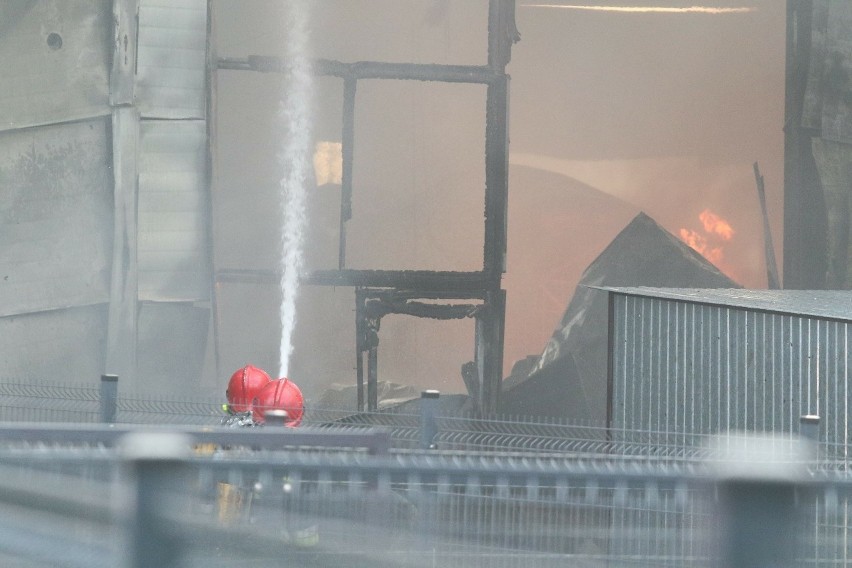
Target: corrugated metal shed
[55,217]
[708,361]
[55,56]
[171,80]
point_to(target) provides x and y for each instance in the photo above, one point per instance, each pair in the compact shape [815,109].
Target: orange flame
[715,224]
[709,242]
[698,242]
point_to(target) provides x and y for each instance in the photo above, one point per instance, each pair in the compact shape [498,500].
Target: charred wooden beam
[490,322]
[382,292]
[373,379]
[360,346]
[431,280]
[348,154]
[477,74]
[400,284]
[496,180]
[395,295]
[490,325]
[381,308]
[502,33]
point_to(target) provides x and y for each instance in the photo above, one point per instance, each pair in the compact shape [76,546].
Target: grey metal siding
[172,242]
[45,83]
[55,217]
[61,346]
[695,368]
[172,51]
[173,366]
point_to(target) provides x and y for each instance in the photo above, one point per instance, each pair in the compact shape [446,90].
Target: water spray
[294,158]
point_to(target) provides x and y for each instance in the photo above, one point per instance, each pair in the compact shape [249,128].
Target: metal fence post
[108,398]
[809,430]
[428,425]
[156,492]
[275,418]
[809,427]
[759,524]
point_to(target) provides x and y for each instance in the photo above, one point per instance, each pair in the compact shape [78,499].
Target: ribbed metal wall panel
[172,56]
[55,217]
[172,366]
[55,56]
[173,236]
[694,368]
[60,346]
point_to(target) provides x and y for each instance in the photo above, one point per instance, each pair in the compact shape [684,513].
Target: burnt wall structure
[433,294]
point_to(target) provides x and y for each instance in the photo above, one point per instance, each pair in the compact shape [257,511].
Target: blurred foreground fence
[162,484]
[92,496]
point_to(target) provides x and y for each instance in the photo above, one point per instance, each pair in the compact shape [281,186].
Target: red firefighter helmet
[282,394]
[244,386]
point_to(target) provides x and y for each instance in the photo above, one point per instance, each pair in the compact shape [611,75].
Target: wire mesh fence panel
[139,410]
[826,518]
[84,404]
[49,403]
[57,513]
[423,518]
[257,505]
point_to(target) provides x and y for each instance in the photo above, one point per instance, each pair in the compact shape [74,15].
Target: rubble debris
[342,397]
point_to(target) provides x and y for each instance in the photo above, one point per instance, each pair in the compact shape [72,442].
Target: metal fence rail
[353,489]
[352,509]
[202,497]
